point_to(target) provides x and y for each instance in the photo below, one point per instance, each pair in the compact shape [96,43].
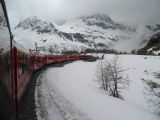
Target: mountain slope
[35,30]
[4,37]
[152,45]
[103,31]
[96,31]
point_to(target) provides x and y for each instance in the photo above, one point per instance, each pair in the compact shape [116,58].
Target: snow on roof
[37,54]
[18,46]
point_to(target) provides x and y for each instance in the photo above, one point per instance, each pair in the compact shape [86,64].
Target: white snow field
[72,93]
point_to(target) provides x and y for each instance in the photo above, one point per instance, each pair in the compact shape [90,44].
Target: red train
[17,66]
[24,64]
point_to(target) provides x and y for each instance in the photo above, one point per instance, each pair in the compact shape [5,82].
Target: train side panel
[5,71]
[23,68]
[25,64]
[24,71]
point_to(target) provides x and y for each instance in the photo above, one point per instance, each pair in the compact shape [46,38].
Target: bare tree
[101,77]
[111,78]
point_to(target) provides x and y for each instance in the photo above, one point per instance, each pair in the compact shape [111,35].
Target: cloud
[125,11]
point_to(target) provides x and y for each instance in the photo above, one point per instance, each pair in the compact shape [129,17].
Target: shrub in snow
[153,95]
[101,75]
[110,77]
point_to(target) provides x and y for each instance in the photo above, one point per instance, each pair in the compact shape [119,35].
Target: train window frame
[22,66]
[9,66]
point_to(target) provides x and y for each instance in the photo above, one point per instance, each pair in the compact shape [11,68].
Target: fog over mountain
[97,31]
[135,12]
[82,24]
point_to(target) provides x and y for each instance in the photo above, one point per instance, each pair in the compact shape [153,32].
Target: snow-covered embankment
[70,92]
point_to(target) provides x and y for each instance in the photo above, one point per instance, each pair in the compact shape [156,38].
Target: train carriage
[16,68]
[23,68]
[5,71]
[38,61]
[51,59]
[24,65]
[61,58]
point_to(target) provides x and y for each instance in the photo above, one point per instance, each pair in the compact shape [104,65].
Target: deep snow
[71,92]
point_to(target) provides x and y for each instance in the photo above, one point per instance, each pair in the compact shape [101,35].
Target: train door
[6,81]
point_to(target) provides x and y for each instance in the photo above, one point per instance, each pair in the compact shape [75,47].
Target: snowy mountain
[102,31]
[37,25]
[4,37]
[96,32]
[152,41]
[153,28]
[103,21]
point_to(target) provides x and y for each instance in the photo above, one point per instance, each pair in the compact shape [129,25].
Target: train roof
[37,54]
[18,46]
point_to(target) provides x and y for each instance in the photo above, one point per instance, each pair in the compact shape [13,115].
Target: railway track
[47,97]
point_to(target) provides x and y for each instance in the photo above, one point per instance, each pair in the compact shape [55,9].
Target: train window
[22,67]
[1,61]
[9,69]
[38,61]
[50,58]
[8,65]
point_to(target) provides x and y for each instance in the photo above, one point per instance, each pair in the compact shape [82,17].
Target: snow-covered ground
[72,93]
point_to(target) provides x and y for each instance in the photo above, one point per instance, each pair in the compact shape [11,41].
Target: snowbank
[79,97]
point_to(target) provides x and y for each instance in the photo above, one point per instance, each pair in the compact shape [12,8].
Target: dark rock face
[153,28]
[97,17]
[103,21]
[153,42]
[66,35]
[78,36]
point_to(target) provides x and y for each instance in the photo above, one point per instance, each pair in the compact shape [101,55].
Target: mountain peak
[36,24]
[95,31]
[98,17]
[102,21]
[153,27]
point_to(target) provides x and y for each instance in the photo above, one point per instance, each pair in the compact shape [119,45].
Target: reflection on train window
[38,61]
[1,61]
[22,68]
[9,69]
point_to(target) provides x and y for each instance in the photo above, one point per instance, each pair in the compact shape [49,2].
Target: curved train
[24,64]
[16,68]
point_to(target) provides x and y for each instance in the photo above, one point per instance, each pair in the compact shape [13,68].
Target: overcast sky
[125,11]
